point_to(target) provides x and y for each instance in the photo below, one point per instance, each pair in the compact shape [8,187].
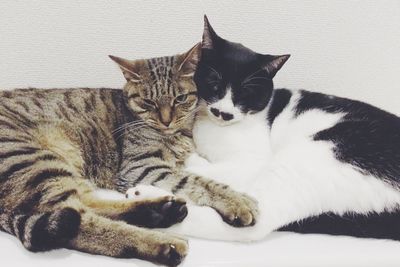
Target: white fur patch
[142,192]
[225,105]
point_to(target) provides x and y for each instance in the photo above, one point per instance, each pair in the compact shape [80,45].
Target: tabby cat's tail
[42,231]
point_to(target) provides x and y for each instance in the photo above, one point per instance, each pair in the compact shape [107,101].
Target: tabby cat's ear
[130,68]
[189,61]
[209,35]
[274,63]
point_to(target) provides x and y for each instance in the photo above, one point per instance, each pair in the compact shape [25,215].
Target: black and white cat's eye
[150,103]
[181,98]
[213,86]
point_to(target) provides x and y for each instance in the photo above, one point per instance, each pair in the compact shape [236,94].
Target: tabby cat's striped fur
[57,146]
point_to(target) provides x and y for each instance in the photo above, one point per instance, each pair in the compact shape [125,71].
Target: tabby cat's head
[232,79]
[161,90]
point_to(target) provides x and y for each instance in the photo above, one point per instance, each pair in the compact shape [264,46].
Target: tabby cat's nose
[166,114]
[166,122]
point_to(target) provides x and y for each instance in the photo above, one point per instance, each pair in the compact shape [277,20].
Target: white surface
[280,249]
[341,47]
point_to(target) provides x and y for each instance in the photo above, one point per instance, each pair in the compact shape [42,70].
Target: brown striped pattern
[54,144]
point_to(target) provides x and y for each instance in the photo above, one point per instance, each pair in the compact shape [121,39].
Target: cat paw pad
[157,213]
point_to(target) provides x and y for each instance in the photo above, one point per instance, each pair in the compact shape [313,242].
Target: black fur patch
[40,238]
[29,204]
[54,230]
[61,197]
[68,223]
[383,225]
[20,226]
[367,137]
[47,174]
[15,168]
[161,177]
[180,185]
[18,152]
[154,154]
[148,170]
[160,214]
[279,100]
[129,253]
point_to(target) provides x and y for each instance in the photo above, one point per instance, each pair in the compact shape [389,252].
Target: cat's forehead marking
[161,75]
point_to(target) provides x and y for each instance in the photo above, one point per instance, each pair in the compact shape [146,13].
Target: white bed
[278,250]
[339,47]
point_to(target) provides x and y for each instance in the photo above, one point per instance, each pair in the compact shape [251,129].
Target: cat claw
[240,210]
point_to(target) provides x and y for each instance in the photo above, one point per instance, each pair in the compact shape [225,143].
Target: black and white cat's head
[233,80]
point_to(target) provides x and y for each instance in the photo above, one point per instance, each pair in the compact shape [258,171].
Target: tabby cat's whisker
[126,125]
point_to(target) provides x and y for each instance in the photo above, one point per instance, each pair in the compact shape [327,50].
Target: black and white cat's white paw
[142,192]
[196,161]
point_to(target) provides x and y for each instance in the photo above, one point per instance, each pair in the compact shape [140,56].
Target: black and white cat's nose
[215,112]
[224,115]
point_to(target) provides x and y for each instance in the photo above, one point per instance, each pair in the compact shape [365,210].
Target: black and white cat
[300,154]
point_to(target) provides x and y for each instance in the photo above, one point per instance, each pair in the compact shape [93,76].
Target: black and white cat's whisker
[216,72]
[251,84]
[255,78]
[251,75]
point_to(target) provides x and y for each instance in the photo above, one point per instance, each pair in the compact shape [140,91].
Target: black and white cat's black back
[316,163]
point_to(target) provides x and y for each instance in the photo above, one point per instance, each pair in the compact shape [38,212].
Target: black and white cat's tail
[374,225]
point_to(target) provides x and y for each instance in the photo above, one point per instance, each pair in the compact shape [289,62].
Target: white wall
[349,48]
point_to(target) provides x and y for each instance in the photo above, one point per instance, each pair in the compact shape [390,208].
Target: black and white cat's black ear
[209,35]
[189,61]
[274,63]
[130,68]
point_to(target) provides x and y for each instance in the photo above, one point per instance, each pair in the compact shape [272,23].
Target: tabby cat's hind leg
[86,231]
[100,235]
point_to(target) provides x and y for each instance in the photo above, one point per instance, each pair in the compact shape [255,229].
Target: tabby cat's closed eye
[181,98]
[149,103]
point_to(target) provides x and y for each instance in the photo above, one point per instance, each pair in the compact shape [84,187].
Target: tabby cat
[57,146]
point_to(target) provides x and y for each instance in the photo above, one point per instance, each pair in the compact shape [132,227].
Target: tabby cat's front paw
[238,209]
[157,213]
